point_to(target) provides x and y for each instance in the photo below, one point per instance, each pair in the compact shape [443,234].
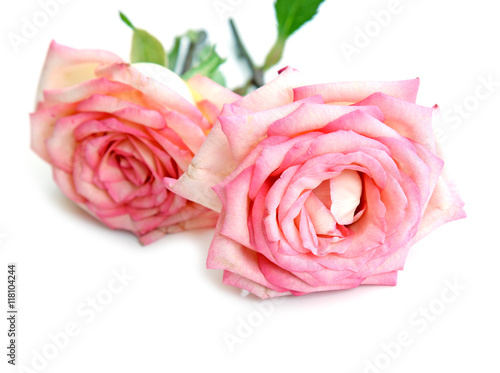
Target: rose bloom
[112,132]
[320,187]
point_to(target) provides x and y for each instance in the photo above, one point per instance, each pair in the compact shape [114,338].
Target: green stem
[193,45]
[257,73]
[275,54]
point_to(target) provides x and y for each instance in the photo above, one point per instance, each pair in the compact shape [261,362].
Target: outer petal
[229,255]
[409,120]
[259,290]
[211,164]
[244,132]
[445,203]
[204,88]
[389,278]
[444,206]
[124,73]
[312,117]
[276,93]
[282,278]
[165,77]
[236,204]
[65,66]
[42,126]
[65,181]
[351,92]
[83,90]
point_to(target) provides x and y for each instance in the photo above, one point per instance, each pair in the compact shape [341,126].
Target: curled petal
[345,190]
[65,67]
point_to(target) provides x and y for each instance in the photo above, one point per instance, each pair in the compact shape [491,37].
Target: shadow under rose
[82,219]
[69,207]
[201,240]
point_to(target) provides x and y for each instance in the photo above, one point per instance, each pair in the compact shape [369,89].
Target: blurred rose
[112,132]
[320,187]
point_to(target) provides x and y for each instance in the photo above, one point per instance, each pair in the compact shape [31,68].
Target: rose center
[341,195]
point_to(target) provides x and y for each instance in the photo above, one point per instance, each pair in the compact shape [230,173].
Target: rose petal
[351,92]
[82,91]
[233,279]
[276,93]
[244,132]
[62,143]
[408,119]
[163,95]
[204,88]
[42,126]
[122,109]
[66,66]
[227,254]
[311,117]
[345,190]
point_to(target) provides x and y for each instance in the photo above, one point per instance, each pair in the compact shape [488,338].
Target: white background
[174,314]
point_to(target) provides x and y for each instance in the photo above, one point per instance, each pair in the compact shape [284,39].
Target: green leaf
[126,20]
[207,66]
[196,36]
[292,14]
[145,47]
[217,77]
[205,51]
[173,55]
[196,39]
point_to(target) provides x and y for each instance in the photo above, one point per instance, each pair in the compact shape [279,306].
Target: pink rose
[320,187]
[112,132]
